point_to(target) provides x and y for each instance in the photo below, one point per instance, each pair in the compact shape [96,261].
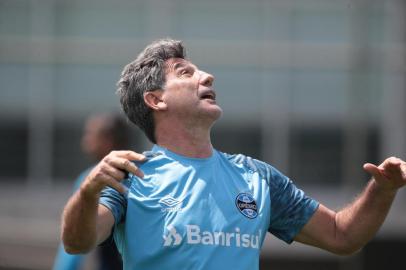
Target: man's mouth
[208,94]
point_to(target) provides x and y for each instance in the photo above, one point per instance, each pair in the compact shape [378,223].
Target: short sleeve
[291,209]
[115,201]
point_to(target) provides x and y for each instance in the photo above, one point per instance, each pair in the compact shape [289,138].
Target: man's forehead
[174,63]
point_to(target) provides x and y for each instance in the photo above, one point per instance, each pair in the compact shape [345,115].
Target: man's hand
[111,170]
[390,175]
[348,230]
[84,222]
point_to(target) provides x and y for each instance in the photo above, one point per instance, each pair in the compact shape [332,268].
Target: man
[102,133]
[185,205]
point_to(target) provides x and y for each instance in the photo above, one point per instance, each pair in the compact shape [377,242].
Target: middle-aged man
[185,205]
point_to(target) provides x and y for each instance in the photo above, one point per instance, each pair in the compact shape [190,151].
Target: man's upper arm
[320,230]
[111,211]
[105,223]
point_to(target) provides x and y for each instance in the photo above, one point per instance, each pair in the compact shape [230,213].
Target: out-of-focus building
[314,87]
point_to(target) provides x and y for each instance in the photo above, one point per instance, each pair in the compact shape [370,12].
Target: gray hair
[146,73]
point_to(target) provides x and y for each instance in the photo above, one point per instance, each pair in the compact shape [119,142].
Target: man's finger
[390,167]
[139,173]
[113,183]
[372,169]
[131,155]
[393,164]
[116,173]
[127,166]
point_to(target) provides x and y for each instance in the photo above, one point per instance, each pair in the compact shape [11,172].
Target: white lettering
[217,237]
[246,240]
[229,236]
[237,237]
[207,238]
[195,236]
[172,209]
[256,237]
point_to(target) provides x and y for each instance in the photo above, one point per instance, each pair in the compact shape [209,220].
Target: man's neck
[189,142]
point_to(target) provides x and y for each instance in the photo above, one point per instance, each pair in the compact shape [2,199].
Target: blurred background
[314,87]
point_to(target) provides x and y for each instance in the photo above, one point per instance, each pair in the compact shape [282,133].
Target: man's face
[189,93]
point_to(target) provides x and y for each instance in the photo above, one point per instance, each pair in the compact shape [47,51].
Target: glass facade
[309,63]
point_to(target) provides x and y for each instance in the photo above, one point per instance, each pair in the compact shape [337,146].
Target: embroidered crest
[246,205]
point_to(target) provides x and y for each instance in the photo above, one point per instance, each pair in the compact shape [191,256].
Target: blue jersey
[210,213]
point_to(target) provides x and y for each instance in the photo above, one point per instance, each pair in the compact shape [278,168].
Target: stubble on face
[189,91]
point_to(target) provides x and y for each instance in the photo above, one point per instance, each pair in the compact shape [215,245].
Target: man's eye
[184,72]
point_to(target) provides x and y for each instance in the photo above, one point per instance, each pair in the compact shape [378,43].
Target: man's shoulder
[248,162]
[151,158]
[268,172]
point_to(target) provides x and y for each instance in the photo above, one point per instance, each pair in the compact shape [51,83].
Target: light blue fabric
[63,260]
[213,213]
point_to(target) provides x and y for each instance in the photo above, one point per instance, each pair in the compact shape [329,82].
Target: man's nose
[206,79]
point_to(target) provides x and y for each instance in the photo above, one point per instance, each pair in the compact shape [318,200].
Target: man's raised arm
[348,230]
[86,223]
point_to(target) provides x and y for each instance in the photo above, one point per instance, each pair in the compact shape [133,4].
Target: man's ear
[154,100]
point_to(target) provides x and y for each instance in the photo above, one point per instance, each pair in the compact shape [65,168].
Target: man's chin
[211,113]
[216,110]
[216,114]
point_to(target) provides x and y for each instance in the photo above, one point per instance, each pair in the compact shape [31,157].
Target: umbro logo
[169,201]
[170,204]
[172,238]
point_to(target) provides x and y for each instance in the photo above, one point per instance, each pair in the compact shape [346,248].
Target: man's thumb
[372,169]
